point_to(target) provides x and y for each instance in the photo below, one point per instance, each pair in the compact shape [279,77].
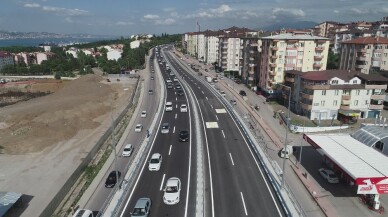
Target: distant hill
[21,35]
[290,25]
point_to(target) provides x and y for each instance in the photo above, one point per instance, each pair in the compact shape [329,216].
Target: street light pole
[114,149]
[286,140]
[301,147]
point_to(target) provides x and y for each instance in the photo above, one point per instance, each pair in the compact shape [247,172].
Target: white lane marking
[203,92]
[176,106]
[169,151]
[223,133]
[206,98]
[173,131]
[245,208]
[161,184]
[176,98]
[231,158]
[176,115]
[199,87]
[211,106]
[217,117]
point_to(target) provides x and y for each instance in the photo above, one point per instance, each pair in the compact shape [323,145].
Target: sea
[33,42]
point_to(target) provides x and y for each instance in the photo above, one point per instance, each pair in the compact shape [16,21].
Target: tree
[332,61]
[8,70]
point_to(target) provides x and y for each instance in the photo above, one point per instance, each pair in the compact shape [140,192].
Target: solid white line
[230,155]
[161,184]
[176,106]
[199,87]
[245,208]
[217,117]
[176,115]
[169,151]
[173,130]
[206,98]
[223,133]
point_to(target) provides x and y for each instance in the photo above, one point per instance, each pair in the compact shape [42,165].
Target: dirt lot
[34,125]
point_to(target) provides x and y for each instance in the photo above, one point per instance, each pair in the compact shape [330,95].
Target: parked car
[183,108]
[127,151]
[233,101]
[84,213]
[142,208]
[111,180]
[143,114]
[155,162]
[222,93]
[329,175]
[172,191]
[242,93]
[184,136]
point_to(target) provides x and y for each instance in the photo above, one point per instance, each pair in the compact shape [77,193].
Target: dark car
[112,179]
[180,92]
[184,136]
[242,93]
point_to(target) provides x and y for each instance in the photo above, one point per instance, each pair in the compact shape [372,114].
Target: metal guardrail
[60,195]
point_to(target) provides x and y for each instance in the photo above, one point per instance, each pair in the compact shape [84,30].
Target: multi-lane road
[234,183]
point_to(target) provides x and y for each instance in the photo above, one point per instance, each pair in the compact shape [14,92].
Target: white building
[212,43]
[135,44]
[114,54]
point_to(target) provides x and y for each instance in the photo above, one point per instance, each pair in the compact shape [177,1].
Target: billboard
[372,185]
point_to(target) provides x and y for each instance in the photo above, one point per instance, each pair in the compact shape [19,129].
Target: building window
[282,44]
[323,103]
[355,102]
[301,44]
[335,103]
[300,62]
[366,102]
[357,92]
[334,82]
[323,92]
[354,81]
[280,69]
[336,92]
[300,53]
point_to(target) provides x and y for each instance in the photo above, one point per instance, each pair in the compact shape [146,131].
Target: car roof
[138,125]
[141,202]
[168,103]
[155,155]
[128,145]
[172,181]
[165,124]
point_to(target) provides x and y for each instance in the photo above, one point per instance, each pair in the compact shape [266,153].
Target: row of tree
[64,64]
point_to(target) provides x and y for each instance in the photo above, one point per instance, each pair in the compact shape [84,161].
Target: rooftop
[367,40]
[288,36]
[345,75]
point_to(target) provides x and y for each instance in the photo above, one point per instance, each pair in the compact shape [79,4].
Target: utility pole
[286,140]
[114,149]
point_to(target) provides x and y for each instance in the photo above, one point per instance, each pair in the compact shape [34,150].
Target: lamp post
[301,147]
[114,147]
[288,127]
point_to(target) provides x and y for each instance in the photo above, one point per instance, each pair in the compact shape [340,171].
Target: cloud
[69,20]
[151,17]
[289,12]
[221,11]
[168,9]
[123,23]
[65,11]
[359,11]
[168,21]
[31,5]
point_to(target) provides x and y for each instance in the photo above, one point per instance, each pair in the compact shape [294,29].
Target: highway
[238,186]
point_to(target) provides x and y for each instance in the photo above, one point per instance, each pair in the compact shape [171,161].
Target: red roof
[368,40]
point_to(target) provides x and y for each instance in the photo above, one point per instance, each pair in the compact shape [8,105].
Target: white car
[155,162]
[128,149]
[329,175]
[172,191]
[183,108]
[222,93]
[143,114]
[175,79]
[138,128]
[168,80]
[168,106]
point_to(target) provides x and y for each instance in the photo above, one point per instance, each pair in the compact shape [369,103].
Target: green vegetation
[63,64]
[332,61]
[18,49]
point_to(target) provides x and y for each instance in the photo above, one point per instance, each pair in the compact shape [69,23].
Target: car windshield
[171,189]
[164,127]
[138,212]
[154,161]
[127,149]
[332,176]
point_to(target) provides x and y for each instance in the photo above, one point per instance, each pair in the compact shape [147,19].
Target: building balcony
[272,73]
[344,107]
[251,72]
[224,57]
[377,107]
[319,48]
[317,65]
[360,58]
[359,66]
[315,87]
[289,79]
[306,106]
[273,65]
[376,86]
[251,58]
[345,97]
[251,51]
[273,57]
[252,65]
[363,50]
[307,96]
[274,48]
[345,102]
[250,78]
[318,57]
[378,97]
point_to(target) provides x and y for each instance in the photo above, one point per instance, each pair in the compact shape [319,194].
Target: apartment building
[342,36]
[212,43]
[230,53]
[250,69]
[326,29]
[192,43]
[290,51]
[5,59]
[365,54]
[335,94]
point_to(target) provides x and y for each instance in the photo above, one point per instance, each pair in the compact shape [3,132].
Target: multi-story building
[290,51]
[335,94]
[212,43]
[342,36]
[365,54]
[230,53]
[5,59]
[192,43]
[250,53]
[326,29]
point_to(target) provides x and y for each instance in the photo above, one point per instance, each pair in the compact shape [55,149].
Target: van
[288,153]
[168,106]
[83,213]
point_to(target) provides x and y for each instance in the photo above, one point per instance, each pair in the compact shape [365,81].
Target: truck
[209,79]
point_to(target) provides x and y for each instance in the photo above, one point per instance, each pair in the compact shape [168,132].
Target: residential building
[290,51]
[326,29]
[192,43]
[230,53]
[212,43]
[342,36]
[335,94]
[5,59]
[365,54]
[250,69]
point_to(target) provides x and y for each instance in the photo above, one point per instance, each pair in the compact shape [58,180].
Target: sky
[128,17]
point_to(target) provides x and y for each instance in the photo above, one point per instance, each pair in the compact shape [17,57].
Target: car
[111,180]
[143,114]
[271,99]
[152,78]
[222,93]
[155,162]
[184,136]
[329,175]
[172,74]
[206,70]
[178,86]
[183,108]
[169,106]
[233,101]
[180,92]
[150,92]
[168,80]
[172,191]
[242,93]
[142,207]
[175,79]
[127,151]
[83,213]
[165,128]
[138,128]
[169,86]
